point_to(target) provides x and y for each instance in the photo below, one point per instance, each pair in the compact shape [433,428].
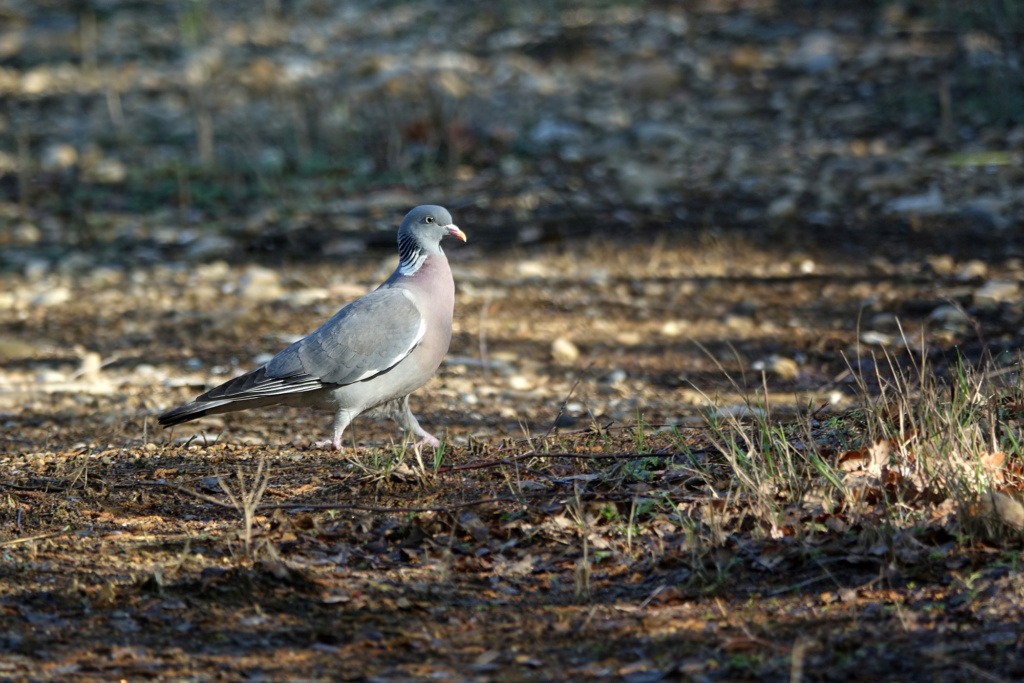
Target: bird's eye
[429,219]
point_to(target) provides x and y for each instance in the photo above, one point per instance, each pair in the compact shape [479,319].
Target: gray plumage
[371,354]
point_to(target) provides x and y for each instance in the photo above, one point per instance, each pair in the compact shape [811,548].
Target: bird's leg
[342,418]
[408,422]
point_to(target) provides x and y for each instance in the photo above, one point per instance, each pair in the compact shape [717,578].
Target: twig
[371,508]
[29,539]
[561,408]
[484,464]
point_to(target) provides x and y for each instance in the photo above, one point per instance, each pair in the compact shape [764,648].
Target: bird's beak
[454,231]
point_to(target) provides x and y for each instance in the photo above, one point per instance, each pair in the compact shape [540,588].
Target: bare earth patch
[583,521]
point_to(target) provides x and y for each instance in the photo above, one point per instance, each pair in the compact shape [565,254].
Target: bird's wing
[361,341]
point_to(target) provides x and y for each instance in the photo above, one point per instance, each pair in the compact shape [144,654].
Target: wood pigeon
[371,354]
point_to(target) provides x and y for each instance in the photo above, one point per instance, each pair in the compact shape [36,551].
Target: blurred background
[655,193]
[137,132]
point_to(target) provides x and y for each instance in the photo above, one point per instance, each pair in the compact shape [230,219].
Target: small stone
[949,316]
[52,297]
[519,383]
[51,376]
[550,131]
[996,291]
[58,156]
[783,207]
[260,284]
[671,328]
[786,368]
[973,270]
[629,338]
[617,376]
[210,247]
[885,320]
[942,264]
[931,202]
[874,338]
[564,351]
[817,52]
[739,323]
[89,370]
[986,214]
[532,269]
[108,171]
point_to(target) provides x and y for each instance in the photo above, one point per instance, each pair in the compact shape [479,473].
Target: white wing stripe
[420,332]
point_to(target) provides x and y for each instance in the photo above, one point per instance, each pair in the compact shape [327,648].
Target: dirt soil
[649,247]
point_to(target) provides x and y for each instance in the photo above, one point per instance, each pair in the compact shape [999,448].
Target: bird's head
[426,226]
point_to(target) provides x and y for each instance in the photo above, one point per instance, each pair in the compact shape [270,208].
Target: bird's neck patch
[410,256]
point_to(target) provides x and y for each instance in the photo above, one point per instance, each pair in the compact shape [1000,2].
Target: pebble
[783,207]
[52,297]
[519,383]
[942,264]
[931,202]
[786,368]
[260,284]
[996,291]
[949,316]
[671,328]
[617,376]
[564,351]
[875,338]
[973,270]
[210,247]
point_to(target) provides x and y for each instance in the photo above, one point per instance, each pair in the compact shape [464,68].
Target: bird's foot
[429,439]
[334,443]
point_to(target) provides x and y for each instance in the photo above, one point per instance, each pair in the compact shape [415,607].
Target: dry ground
[123,557]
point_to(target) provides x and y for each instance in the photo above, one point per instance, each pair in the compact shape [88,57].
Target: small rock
[209,247]
[924,204]
[818,51]
[783,207]
[995,291]
[532,269]
[89,370]
[942,264]
[52,297]
[986,214]
[26,233]
[260,284]
[617,376]
[656,79]
[736,411]
[786,368]
[1006,507]
[564,351]
[519,383]
[739,323]
[671,328]
[51,376]
[880,265]
[549,132]
[875,338]
[885,320]
[108,171]
[58,156]
[973,270]
[949,316]
[629,338]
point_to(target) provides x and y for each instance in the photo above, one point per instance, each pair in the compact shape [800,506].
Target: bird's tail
[190,411]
